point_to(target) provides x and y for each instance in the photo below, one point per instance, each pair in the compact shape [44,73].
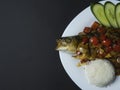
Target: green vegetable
[109,8]
[98,11]
[117,13]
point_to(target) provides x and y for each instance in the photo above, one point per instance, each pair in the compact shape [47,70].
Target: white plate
[83,19]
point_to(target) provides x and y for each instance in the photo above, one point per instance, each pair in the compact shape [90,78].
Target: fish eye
[68,40]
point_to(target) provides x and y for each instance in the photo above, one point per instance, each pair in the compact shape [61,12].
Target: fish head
[67,44]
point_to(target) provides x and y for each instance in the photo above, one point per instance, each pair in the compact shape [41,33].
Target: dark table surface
[28,31]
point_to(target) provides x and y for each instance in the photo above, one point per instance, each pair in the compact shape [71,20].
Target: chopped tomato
[95,25]
[94,40]
[87,30]
[101,30]
[106,42]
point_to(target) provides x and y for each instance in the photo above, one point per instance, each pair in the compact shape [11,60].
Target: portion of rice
[100,72]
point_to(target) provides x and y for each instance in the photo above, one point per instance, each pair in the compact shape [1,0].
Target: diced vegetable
[106,42]
[94,40]
[95,25]
[101,30]
[87,30]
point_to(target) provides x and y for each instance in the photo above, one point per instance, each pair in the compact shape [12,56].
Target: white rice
[100,72]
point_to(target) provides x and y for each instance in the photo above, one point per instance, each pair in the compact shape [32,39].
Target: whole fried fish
[94,42]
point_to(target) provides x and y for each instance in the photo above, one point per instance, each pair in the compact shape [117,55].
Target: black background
[28,31]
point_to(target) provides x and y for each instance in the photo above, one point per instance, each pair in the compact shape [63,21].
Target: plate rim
[61,53]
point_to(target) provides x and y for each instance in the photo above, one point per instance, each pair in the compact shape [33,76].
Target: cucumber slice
[110,14]
[98,11]
[117,13]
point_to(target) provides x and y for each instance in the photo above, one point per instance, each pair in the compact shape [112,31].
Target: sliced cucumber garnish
[110,13]
[117,13]
[99,13]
